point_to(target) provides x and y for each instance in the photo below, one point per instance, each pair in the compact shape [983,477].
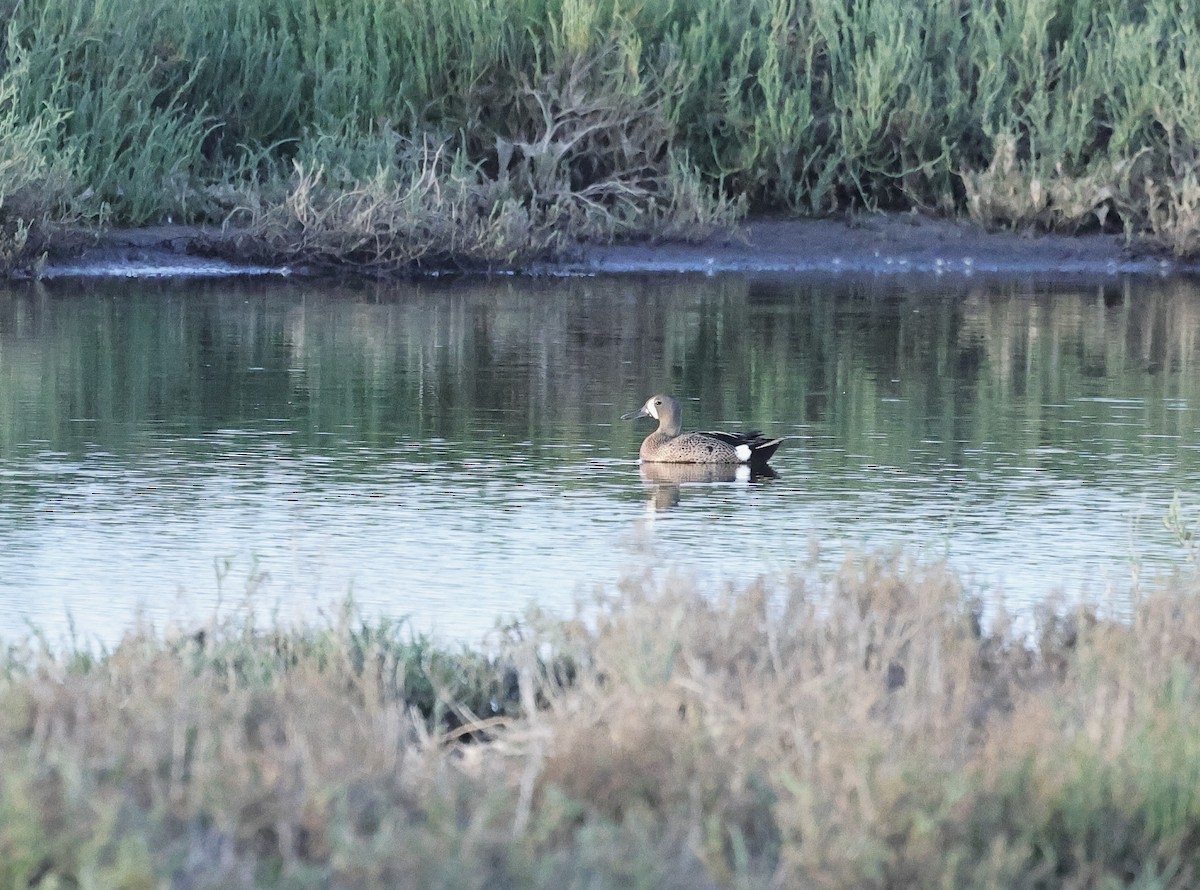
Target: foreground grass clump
[393,135]
[864,733]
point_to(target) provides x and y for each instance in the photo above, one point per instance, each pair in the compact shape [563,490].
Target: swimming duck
[668,444]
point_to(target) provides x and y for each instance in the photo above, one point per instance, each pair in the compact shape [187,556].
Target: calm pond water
[452,452]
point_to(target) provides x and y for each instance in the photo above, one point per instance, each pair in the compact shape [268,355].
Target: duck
[669,445]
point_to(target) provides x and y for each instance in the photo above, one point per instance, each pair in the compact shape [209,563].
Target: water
[452,452]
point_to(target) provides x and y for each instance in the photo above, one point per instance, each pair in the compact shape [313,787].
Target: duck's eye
[657,402]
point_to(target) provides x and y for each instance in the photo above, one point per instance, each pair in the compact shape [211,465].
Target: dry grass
[1175,214]
[1011,193]
[440,211]
[860,733]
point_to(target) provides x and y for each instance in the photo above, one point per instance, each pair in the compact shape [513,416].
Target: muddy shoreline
[898,244]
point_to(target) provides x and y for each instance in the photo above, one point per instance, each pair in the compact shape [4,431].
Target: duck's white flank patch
[742,452]
[650,408]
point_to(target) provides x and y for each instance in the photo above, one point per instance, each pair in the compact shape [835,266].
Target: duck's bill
[634,415]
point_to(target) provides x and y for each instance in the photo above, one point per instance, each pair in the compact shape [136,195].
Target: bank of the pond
[386,136]
[868,731]
[871,244]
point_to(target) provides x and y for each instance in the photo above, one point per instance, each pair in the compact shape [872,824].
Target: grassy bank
[861,733]
[389,135]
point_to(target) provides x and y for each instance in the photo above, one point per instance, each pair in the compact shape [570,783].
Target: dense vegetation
[388,133]
[863,732]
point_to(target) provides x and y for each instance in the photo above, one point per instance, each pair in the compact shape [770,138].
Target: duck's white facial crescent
[650,409]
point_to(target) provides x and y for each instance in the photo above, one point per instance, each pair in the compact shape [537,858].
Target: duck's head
[663,408]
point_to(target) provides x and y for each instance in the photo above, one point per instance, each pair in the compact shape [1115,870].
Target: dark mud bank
[876,245]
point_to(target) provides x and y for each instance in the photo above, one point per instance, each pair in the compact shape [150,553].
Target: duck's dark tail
[760,447]
[761,450]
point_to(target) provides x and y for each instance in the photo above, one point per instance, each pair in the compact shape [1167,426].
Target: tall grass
[553,120]
[864,732]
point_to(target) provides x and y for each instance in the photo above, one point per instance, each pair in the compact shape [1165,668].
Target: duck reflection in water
[665,480]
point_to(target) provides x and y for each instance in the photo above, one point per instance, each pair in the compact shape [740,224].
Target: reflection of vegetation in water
[864,732]
[1131,354]
[1181,527]
[886,376]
